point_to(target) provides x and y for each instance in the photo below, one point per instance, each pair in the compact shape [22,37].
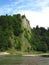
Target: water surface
[23,60]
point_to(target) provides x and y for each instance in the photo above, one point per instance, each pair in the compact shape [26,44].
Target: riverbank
[43,54]
[6,53]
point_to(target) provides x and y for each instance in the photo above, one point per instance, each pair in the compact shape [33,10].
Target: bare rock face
[26,35]
[25,23]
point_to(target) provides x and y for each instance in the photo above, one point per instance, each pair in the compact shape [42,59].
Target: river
[35,60]
[23,60]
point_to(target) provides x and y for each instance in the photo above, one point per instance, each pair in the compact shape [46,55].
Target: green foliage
[10,26]
[40,39]
[17,24]
[27,34]
[18,43]
[11,34]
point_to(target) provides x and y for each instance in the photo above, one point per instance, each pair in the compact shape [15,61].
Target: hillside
[15,33]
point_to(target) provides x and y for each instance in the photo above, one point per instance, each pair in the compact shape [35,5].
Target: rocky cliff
[15,32]
[26,35]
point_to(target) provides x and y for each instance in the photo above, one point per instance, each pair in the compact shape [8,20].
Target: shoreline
[30,55]
[6,53]
[36,54]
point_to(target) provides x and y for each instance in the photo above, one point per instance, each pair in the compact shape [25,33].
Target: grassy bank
[16,58]
[20,53]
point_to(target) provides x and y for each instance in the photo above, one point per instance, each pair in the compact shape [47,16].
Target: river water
[23,60]
[35,60]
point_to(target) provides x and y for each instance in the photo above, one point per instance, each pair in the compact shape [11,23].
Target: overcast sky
[36,11]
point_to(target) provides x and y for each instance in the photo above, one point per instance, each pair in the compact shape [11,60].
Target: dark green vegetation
[15,33]
[10,29]
[40,39]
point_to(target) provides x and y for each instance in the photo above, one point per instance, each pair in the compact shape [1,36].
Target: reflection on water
[27,60]
[36,60]
[45,56]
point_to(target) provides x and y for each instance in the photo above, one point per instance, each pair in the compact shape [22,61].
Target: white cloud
[46,10]
[38,18]
[18,5]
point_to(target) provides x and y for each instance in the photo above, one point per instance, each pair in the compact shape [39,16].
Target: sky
[36,11]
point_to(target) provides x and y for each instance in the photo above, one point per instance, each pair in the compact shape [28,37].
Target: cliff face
[26,35]
[25,23]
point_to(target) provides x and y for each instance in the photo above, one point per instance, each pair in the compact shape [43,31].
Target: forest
[40,39]
[11,31]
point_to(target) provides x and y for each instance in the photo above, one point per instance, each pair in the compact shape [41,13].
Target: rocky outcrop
[26,35]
